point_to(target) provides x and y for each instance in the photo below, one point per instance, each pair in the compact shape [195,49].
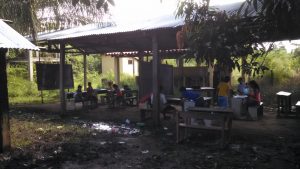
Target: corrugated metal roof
[162,22]
[11,39]
[94,29]
[71,31]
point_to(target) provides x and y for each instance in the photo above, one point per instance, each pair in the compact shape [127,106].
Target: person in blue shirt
[192,95]
[241,86]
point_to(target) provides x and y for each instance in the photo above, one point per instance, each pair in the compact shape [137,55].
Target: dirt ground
[114,139]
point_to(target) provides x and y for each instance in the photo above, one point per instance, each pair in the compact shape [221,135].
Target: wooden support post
[4,106]
[117,70]
[61,78]
[155,77]
[211,75]
[180,66]
[133,67]
[141,59]
[84,72]
[30,65]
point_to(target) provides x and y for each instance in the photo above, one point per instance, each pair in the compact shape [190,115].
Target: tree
[32,16]
[218,37]
[282,14]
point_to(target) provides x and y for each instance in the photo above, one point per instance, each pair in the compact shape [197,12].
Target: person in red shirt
[254,97]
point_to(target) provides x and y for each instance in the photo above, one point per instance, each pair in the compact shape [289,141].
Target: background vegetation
[21,90]
[283,74]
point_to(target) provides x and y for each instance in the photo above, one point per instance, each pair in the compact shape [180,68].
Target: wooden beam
[4,106]
[30,65]
[61,78]
[155,77]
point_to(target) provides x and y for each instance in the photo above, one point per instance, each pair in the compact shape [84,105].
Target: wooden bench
[84,103]
[184,121]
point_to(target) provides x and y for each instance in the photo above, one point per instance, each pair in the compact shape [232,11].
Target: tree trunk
[4,107]
[32,22]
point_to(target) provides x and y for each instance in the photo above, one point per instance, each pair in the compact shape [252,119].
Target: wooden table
[174,100]
[218,114]
[283,103]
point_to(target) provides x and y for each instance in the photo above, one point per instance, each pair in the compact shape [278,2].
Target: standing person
[223,91]
[90,94]
[241,86]
[254,97]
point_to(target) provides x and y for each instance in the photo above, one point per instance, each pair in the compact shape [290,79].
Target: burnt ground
[102,138]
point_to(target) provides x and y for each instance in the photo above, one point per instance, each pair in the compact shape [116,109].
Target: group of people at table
[249,91]
[113,94]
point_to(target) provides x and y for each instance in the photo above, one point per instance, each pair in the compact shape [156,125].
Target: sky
[137,10]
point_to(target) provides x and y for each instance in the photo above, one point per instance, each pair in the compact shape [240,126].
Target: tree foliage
[219,37]
[283,14]
[31,16]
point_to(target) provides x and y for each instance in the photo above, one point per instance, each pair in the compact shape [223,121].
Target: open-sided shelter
[155,37]
[9,39]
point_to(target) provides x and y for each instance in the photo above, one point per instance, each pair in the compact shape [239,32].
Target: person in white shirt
[164,106]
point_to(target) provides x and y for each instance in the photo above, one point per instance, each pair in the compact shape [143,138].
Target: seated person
[110,85]
[78,94]
[164,106]
[192,95]
[254,97]
[127,91]
[90,94]
[116,94]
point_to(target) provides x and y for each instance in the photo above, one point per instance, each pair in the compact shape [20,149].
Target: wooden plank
[202,115]
[209,109]
[30,65]
[202,127]
[4,104]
